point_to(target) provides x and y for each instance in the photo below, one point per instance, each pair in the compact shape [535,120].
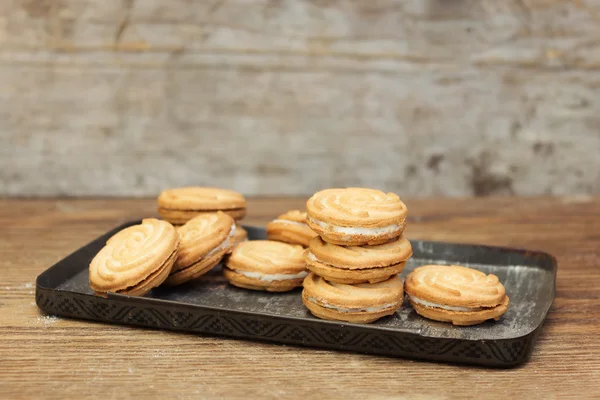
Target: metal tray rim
[163,302]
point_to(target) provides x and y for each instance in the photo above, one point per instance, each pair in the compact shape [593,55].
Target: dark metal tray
[211,306]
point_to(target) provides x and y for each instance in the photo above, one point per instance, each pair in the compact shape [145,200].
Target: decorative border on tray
[500,353]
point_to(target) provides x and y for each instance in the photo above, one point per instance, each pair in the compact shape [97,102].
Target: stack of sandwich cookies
[182,204]
[266,265]
[357,256]
[358,264]
[205,240]
[355,216]
[362,303]
[136,259]
[463,296]
[290,228]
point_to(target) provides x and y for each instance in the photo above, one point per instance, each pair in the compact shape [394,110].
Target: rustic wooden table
[45,356]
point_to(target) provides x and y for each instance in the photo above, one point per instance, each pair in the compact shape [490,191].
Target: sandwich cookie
[205,240]
[266,265]
[358,264]
[241,235]
[362,303]
[290,228]
[354,216]
[136,259]
[182,204]
[461,295]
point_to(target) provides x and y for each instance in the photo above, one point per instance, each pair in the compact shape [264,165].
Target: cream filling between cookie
[285,221]
[272,277]
[220,247]
[443,307]
[345,309]
[312,257]
[346,230]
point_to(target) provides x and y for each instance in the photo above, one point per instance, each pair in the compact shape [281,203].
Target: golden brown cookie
[182,204]
[358,264]
[356,216]
[205,239]
[362,303]
[136,259]
[290,228]
[241,235]
[452,293]
[266,265]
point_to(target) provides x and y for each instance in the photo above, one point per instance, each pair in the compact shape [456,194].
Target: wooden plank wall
[422,97]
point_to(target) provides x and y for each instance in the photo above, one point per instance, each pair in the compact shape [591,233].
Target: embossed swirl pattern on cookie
[366,206]
[456,285]
[200,198]
[268,256]
[202,227]
[133,253]
[202,234]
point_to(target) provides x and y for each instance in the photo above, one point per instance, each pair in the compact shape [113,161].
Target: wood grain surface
[422,97]
[47,357]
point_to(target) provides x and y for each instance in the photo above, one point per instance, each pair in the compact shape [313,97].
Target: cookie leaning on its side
[290,228]
[266,265]
[205,240]
[356,216]
[362,303]
[136,259]
[461,295]
[241,235]
[182,204]
[358,264]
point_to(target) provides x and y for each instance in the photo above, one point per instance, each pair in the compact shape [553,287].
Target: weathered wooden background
[423,97]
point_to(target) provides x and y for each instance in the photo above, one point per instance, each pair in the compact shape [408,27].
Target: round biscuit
[137,255]
[201,235]
[354,276]
[242,281]
[180,217]
[356,207]
[241,235]
[195,270]
[455,285]
[463,318]
[196,198]
[290,228]
[357,296]
[333,315]
[265,257]
[361,257]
